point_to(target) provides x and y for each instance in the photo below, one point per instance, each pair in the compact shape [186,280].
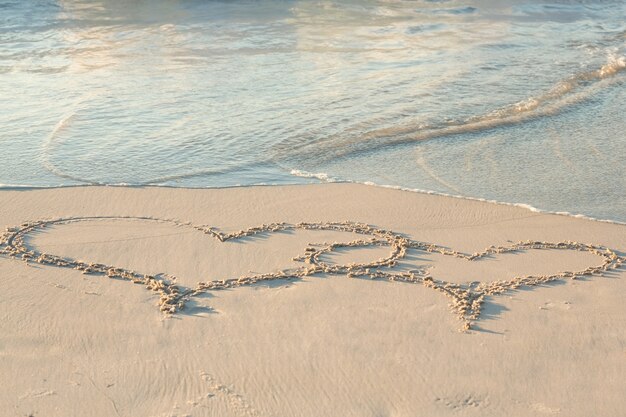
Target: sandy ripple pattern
[465,300]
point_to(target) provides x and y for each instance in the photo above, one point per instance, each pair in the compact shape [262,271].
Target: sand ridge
[466,300]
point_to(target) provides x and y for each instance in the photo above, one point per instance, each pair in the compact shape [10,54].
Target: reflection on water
[517,101]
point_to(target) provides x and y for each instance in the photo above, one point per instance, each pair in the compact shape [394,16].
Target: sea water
[513,101]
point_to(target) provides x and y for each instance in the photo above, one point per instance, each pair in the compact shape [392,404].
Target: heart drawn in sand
[466,299]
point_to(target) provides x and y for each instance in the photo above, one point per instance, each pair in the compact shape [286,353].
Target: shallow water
[518,102]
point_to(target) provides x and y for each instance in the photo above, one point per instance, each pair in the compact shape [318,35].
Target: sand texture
[321,300]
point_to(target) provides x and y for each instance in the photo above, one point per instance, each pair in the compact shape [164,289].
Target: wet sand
[320,300]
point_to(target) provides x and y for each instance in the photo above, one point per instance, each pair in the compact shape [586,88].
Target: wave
[320,175]
[566,93]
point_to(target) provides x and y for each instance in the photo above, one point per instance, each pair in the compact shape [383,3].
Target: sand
[321,300]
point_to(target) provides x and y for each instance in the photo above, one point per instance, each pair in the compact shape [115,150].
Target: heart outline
[466,299]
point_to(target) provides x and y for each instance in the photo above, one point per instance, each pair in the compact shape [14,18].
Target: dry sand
[322,300]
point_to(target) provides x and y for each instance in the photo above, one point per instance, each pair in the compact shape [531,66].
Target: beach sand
[440,307]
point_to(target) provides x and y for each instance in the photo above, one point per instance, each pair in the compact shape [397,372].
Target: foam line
[321,176]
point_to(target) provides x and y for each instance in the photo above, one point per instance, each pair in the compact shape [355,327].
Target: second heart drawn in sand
[466,300]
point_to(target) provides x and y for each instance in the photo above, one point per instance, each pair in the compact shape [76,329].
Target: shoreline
[526,206]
